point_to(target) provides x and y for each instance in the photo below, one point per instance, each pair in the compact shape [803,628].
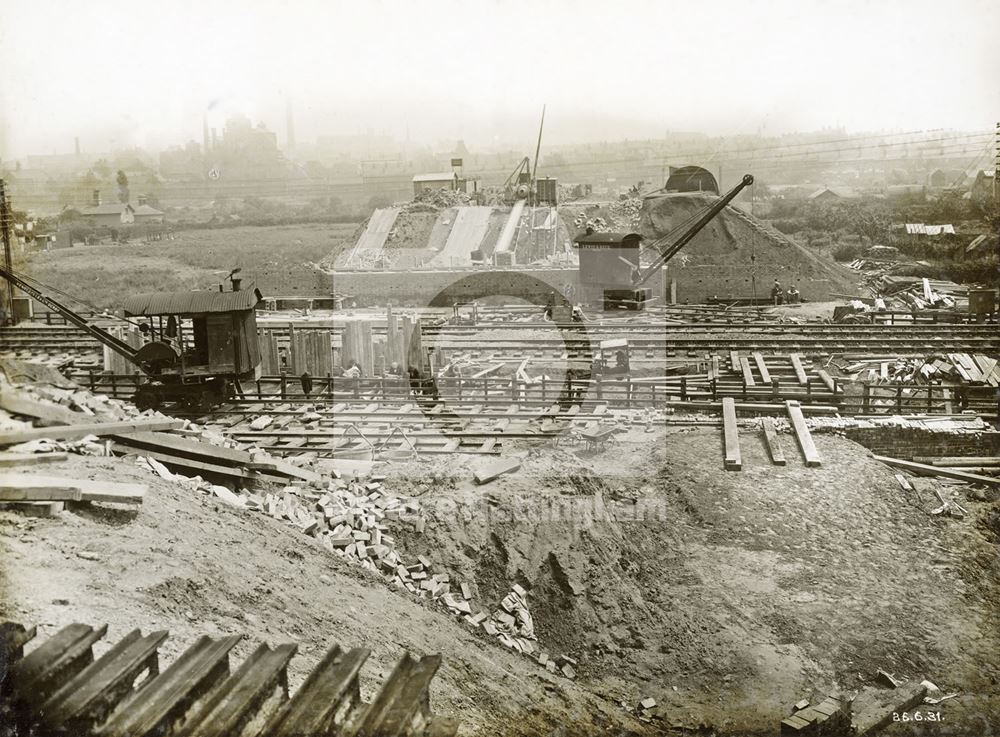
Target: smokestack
[96,200]
[76,145]
[215,139]
[204,132]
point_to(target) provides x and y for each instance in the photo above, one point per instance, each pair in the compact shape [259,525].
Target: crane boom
[118,346]
[669,249]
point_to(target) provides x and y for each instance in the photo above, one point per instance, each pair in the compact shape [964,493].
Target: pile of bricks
[351,519]
[829,717]
[511,623]
[347,518]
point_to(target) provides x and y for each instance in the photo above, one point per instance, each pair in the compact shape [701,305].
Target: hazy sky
[142,73]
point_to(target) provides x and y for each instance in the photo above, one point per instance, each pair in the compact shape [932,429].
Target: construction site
[523,465]
[458,370]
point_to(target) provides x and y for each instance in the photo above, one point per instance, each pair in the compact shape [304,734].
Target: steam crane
[610,269]
[198,363]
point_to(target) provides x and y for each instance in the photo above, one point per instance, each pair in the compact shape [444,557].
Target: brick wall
[419,287]
[910,443]
[287,279]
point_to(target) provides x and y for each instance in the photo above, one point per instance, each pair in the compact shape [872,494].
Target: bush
[787,226]
[847,252]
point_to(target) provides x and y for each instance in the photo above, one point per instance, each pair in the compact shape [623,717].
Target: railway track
[813,338]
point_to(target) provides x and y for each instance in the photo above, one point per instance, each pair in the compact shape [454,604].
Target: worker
[793,297]
[307,383]
[777,293]
[550,306]
[353,371]
[394,369]
[577,313]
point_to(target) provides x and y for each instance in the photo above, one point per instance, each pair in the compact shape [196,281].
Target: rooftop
[444,176]
[191,303]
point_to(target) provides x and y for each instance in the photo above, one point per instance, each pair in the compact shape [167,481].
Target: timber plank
[19,405]
[494,470]
[926,470]
[773,445]
[325,699]
[806,443]
[733,460]
[800,373]
[54,488]
[167,698]
[175,461]
[89,697]
[74,432]
[262,677]
[765,375]
[178,446]
[29,459]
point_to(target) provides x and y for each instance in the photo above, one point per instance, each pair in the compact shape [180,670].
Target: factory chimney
[289,126]
[76,145]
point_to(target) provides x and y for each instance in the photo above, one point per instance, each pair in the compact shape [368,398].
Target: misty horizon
[442,72]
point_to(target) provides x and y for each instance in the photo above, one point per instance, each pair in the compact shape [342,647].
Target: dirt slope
[729,597]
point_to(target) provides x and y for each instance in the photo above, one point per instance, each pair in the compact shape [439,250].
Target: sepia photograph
[568,368]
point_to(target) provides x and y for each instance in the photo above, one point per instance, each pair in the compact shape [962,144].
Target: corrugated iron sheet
[191,303]
[606,239]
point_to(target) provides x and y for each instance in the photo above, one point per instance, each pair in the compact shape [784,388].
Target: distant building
[833,194]
[946,178]
[922,229]
[119,213]
[982,187]
[434,182]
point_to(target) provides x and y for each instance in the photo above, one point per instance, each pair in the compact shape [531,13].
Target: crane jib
[106,338]
[669,250]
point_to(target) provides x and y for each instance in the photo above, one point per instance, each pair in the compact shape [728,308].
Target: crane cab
[198,345]
[609,266]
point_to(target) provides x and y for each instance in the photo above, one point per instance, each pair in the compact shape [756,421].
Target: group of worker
[780,297]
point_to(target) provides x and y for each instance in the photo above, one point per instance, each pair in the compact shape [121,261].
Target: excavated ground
[725,596]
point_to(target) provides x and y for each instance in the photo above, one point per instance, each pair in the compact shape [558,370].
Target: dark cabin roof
[621,240]
[191,303]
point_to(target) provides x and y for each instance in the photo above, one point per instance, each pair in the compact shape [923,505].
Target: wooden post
[284,384]
[684,389]
[866,392]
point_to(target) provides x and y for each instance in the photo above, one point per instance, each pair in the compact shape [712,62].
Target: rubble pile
[433,200]
[963,368]
[911,293]
[625,214]
[352,519]
[596,223]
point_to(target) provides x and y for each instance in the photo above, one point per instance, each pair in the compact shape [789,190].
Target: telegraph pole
[8,260]
[996,170]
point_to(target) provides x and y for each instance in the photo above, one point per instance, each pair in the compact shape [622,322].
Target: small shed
[608,259]
[609,263]
[436,181]
[223,327]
